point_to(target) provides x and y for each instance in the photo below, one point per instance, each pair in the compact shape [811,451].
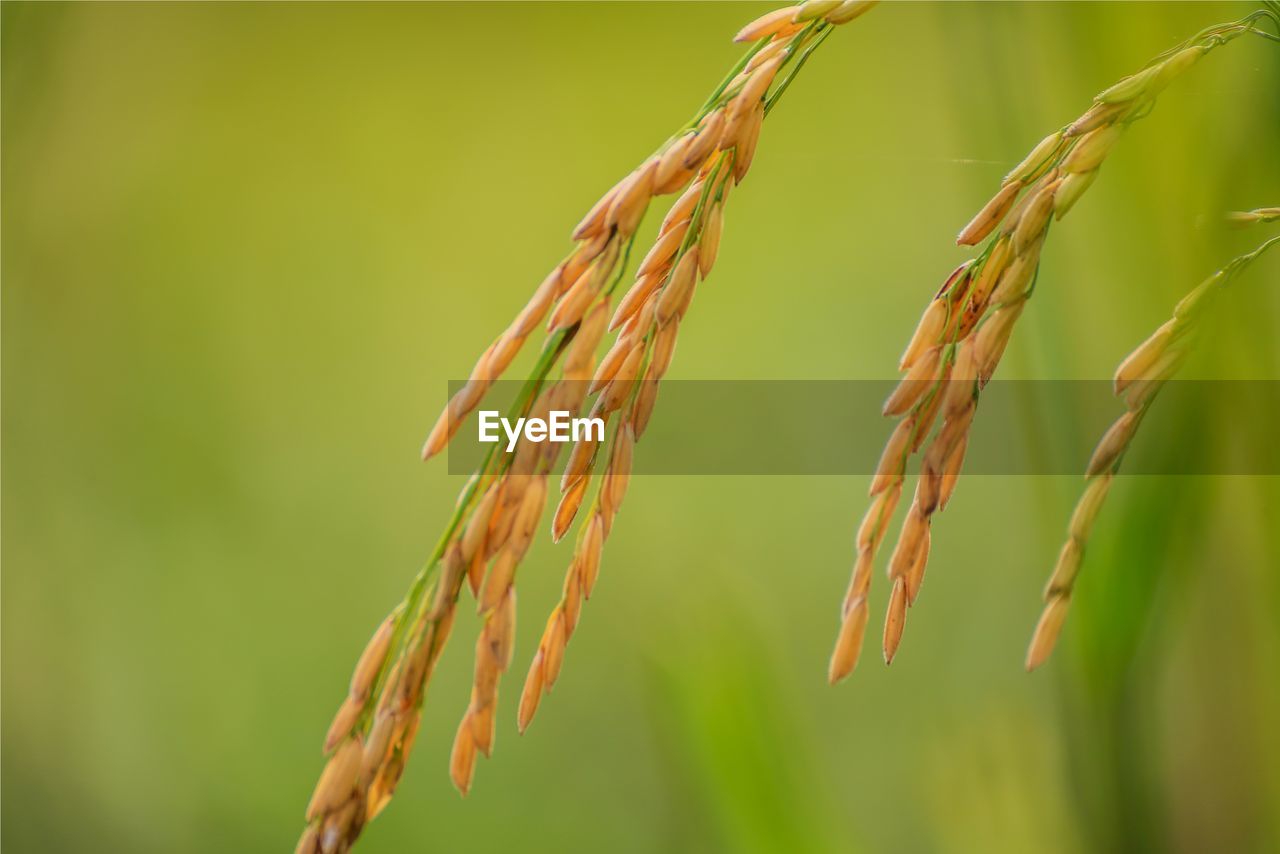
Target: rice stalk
[648,317]
[964,330]
[1138,380]
[501,506]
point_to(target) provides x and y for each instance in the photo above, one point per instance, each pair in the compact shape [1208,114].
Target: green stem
[719,90]
[823,31]
[413,601]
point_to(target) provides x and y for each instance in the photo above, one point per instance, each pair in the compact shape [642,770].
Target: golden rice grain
[553,649]
[1047,631]
[895,620]
[1113,444]
[873,527]
[371,660]
[675,295]
[915,574]
[1095,117]
[671,162]
[618,474]
[928,332]
[1035,217]
[889,469]
[951,472]
[343,722]
[914,530]
[462,759]
[1035,161]
[589,562]
[915,384]
[1072,188]
[768,24]
[1257,215]
[709,243]
[709,134]
[1082,518]
[1092,149]
[1142,362]
[746,142]
[612,361]
[664,348]
[811,9]
[632,198]
[1128,88]
[849,643]
[848,11]
[992,213]
[338,779]
[570,501]
[620,384]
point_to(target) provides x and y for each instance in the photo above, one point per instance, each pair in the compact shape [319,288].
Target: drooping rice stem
[966,327]
[1138,381]
[502,505]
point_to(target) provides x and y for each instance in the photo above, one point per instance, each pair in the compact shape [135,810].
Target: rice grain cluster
[501,508]
[964,330]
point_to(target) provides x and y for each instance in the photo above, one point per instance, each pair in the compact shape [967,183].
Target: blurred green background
[247,245]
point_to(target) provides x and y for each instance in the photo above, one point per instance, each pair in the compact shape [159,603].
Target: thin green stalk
[823,31]
[414,601]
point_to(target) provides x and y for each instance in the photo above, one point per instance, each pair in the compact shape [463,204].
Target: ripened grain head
[974,323]
[500,507]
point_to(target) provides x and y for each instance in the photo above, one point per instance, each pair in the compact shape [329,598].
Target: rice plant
[966,327]
[501,507]
[955,350]
[1138,381]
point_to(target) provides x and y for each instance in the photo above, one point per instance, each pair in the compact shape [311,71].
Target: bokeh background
[247,245]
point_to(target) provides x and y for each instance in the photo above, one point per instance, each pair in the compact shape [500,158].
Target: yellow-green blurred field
[247,245]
